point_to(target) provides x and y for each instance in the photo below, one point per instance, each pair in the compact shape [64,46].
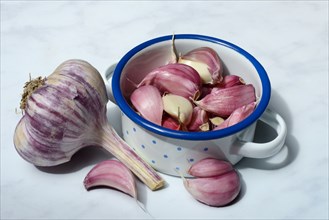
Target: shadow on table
[85,157]
[265,133]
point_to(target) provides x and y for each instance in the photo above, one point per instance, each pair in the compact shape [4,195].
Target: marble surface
[290,39]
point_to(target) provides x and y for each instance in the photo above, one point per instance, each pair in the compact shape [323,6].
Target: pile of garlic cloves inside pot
[191,93]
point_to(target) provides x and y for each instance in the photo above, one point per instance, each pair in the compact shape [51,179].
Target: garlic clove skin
[215,191]
[171,123]
[178,107]
[237,115]
[222,102]
[231,80]
[209,167]
[114,174]
[148,102]
[206,62]
[175,78]
[199,118]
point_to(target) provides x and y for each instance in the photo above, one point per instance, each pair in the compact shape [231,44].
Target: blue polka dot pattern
[154,141]
[153,161]
[179,148]
[191,160]
[165,156]
[205,149]
[143,146]
[134,129]
[127,132]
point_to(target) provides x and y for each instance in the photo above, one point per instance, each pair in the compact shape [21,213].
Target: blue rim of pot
[184,135]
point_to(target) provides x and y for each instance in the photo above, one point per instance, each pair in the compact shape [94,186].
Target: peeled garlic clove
[206,62]
[237,115]
[148,102]
[175,78]
[223,102]
[178,107]
[199,118]
[171,123]
[216,121]
[209,167]
[231,80]
[111,173]
[215,191]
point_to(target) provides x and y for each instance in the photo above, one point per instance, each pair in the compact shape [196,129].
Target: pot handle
[108,82]
[263,150]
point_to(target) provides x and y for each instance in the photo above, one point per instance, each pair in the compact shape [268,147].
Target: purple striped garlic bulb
[67,111]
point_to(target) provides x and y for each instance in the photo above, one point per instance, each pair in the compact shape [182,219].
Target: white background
[289,38]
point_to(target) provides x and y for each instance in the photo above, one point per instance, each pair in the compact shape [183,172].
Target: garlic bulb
[67,112]
[206,62]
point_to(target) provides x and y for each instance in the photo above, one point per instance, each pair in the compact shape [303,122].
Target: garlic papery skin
[215,191]
[199,118]
[206,62]
[231,80]
[171,123]
[148,102]
[178,79]
[222,102]
[67,113]
[237,115]
[209,167]
[178,107]
[114,174]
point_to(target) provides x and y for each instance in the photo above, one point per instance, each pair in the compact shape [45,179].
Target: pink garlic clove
[222,102]
[206,62]
[175,78]
[171,123]
[199,118]
[114,174]
[231,80]
[148,102]
[210,167]
[237,115]
[215,191]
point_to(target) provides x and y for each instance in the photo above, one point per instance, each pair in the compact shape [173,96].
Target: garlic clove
[237,115]
[231,80]
[216,120]
[148,102]
[114,174]
[175,78]
[178,107]
[206,62]
[222,102]
[171,123]
[215,191]
[209,167]
[199,118]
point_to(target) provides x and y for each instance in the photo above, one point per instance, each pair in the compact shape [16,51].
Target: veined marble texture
[289,38]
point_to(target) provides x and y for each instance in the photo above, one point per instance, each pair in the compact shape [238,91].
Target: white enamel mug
[169,151]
